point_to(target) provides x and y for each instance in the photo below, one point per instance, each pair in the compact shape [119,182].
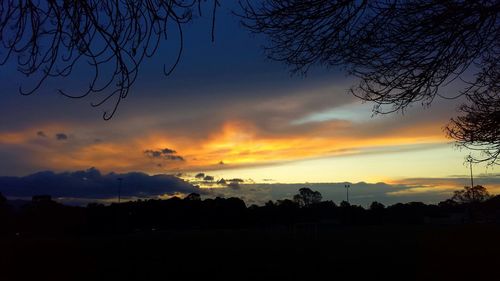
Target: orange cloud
[443,185]
[235,144]
[28,135]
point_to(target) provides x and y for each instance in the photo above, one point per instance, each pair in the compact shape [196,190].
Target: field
[453,252]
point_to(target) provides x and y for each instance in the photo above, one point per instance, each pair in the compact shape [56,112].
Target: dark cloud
[236,180]
[200,175]
[176,158]
[163,154]
[152,154]
[229,183]
[92,184]
[168,151]
[61,136]
[41,134]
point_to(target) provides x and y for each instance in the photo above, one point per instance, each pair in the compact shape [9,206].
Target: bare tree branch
[49,38]
[402,51]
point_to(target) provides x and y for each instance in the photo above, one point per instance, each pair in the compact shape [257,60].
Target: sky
[229,112]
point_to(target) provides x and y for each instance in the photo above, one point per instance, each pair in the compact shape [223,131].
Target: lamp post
[469,159]
[119,189]
[347,186]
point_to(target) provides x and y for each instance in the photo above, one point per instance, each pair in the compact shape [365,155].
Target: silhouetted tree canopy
[193,197]
[307,197]
[200,176]
[345,204]
[478,128]
[42,214]
[376,206]
[49,38]
[402,51]
[469,195]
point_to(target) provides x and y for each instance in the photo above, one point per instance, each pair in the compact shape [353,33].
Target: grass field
[456,252]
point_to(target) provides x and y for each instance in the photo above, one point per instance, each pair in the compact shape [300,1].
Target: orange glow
[437,184]
[234,144]
[27,135]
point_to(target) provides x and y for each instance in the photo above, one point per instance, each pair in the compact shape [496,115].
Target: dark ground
[418,252]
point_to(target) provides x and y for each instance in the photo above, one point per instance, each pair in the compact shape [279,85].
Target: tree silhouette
[376,206]
[193,197]
[3,200]
[345,204]
[50,38]
[402,51]
[307,197]
[479,127]
[469,195]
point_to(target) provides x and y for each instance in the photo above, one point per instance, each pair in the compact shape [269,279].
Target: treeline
[306,209]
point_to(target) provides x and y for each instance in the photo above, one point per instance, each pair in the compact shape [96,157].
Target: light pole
[469,159]
[347,186]
[119,189]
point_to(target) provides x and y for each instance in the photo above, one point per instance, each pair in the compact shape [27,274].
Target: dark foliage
[307,197]
[471,195]
[44,215]
[478,128]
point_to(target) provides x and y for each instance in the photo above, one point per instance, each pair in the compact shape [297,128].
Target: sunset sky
[229,112]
